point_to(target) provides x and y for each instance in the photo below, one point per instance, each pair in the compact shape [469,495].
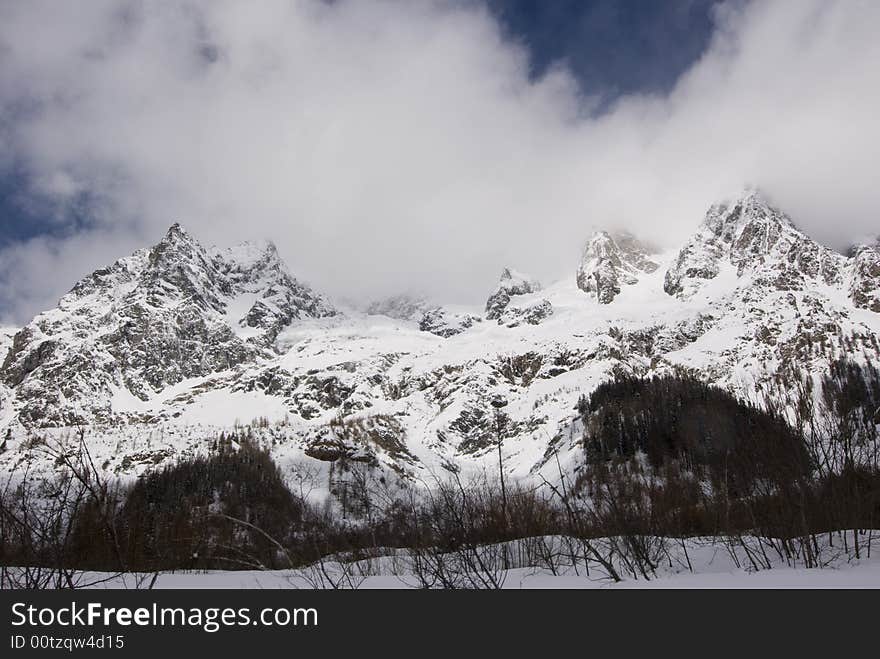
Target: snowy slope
[165,349]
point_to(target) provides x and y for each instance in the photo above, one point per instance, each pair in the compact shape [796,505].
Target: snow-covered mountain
[151,321]
[161,351]
[611,261]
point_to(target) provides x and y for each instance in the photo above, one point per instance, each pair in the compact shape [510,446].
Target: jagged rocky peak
[612,260]
[753,236]
[262,296]
[248,258]
[181,269]
[177,250]
[864,285]
[248,284]
[160,316]
[512,283]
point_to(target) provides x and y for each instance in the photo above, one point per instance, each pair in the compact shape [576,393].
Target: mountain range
[157,354]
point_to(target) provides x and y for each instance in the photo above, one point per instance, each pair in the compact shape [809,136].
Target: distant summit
[754,237]
[610,261]
[510,284]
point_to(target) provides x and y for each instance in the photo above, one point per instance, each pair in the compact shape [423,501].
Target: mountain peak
[610,260]
[175,245]
[864,242]
[751,209]
[511,282]
[753,235]
[176,234]
[250,255]
[179,268]
[754,193]
[163,315]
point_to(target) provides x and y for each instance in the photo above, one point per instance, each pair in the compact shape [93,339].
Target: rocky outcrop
[255,274]
[610,261]
[511,284]
[446,323]
[368,439]
[864,282]
[531,314]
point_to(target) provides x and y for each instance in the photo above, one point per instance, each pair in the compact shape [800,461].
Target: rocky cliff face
[531,313]
[612,261]
[163,350]
[754,238]
[864,280]
[511,284]
[446,323]
[510,305]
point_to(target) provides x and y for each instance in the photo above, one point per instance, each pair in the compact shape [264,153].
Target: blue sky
[614,47]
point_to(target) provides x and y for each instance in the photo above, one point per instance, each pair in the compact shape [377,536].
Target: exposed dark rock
[512,283]
[756,238]
[611,261]
[532,314]
[445,323]
[864,288]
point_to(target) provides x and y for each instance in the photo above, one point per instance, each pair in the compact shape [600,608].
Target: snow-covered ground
[863,575]
[707,564]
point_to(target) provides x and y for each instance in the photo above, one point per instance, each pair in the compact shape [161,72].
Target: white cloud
[391,145]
